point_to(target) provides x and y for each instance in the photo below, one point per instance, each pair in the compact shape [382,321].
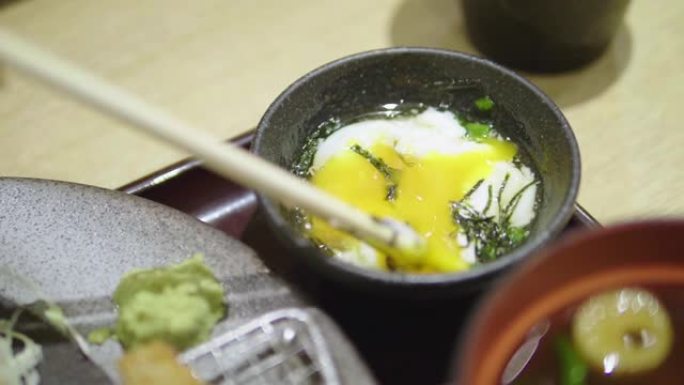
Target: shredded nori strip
[390,174]
[390,263]
[304,159]
[492,237]
[325,249]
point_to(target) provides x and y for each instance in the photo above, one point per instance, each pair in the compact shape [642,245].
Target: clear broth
[543,367]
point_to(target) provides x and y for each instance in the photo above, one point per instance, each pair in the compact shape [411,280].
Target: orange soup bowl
[635,254]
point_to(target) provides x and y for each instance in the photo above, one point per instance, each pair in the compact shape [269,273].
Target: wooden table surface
[219,63]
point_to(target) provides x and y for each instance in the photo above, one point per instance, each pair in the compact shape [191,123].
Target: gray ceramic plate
[77,241]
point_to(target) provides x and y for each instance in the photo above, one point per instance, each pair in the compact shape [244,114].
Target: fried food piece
[154,363]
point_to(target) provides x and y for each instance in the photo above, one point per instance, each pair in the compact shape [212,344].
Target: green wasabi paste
[179,304]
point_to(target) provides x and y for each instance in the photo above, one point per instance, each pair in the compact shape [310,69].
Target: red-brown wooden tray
[402,343]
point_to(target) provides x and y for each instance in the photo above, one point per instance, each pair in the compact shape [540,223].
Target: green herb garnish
[492,236]
[573,370]
[484,103]
[302,165]
[478,131]
[390,174]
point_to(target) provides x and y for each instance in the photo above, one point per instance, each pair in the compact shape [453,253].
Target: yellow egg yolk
[425,188]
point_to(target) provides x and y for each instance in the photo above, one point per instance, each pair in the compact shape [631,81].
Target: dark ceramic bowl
[361,83]
[647,253]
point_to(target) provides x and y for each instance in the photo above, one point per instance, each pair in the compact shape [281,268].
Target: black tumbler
[543,35]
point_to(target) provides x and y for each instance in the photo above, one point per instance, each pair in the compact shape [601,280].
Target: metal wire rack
[281,347]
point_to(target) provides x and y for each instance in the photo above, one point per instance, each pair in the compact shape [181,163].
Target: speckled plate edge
[92,236]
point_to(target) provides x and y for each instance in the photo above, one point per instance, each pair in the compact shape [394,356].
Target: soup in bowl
[601,308]
[471,156]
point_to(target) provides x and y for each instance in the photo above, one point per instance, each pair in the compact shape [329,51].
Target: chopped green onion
[484,103]
[100,336]
[573,370]
[477,130]
[388,172]
[517,234]
[55,316]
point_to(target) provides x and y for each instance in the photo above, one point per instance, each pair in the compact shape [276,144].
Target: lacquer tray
[401,343]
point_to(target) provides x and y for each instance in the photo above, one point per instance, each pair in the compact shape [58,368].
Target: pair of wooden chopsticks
[225,159]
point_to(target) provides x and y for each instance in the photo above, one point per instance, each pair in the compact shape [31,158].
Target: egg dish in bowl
[474,158]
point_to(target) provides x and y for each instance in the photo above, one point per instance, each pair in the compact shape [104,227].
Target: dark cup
[543,35]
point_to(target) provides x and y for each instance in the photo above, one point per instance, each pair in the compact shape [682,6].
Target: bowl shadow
[581,85]
[5,3]
[441,24]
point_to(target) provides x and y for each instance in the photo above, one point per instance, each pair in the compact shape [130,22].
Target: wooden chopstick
[225,159]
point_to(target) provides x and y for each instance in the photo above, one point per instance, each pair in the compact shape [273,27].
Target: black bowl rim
[480,273]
